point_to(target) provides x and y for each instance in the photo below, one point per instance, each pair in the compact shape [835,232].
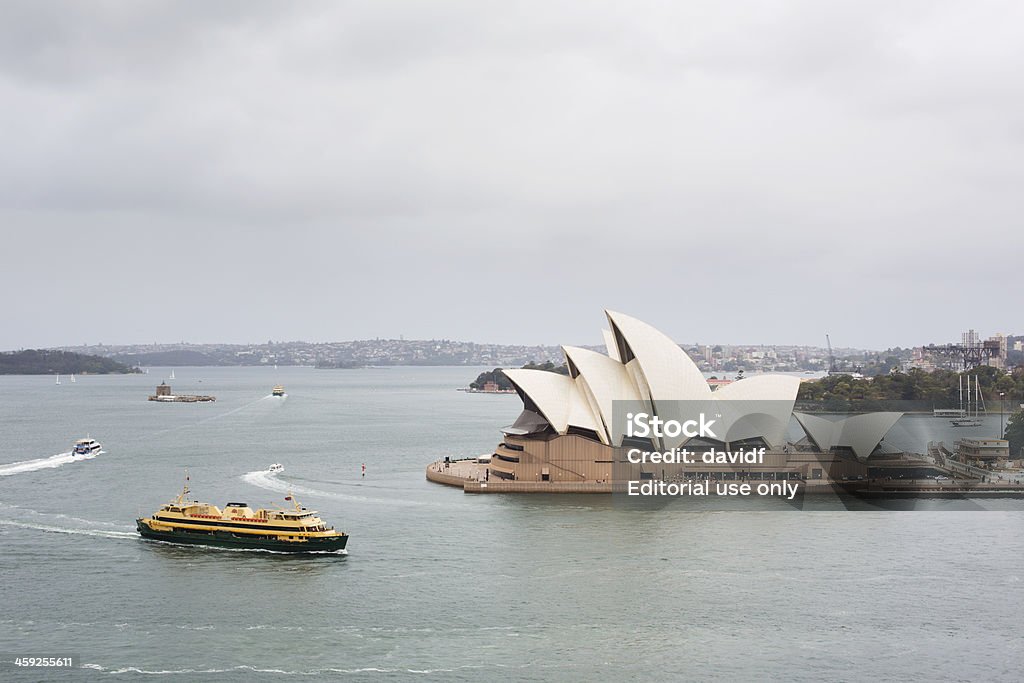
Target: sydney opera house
[571,428]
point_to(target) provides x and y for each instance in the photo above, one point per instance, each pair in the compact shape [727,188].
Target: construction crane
[831,358]
[833,370]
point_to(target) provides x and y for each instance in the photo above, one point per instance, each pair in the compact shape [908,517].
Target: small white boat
[172,375]
[276,468]
[86,447]
[72,379]
[58,379]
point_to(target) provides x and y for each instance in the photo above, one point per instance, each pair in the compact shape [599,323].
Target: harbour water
[439,585]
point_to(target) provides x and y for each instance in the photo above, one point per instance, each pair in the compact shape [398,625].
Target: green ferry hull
[227,539]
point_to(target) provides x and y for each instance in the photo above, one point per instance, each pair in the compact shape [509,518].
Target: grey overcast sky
[759,172]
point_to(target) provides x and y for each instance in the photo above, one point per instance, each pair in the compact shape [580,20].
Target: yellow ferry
[295,530]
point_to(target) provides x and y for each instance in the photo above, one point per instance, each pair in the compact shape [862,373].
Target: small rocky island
[495,382]
[163,395]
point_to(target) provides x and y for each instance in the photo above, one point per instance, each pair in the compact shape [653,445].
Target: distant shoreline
[56,363]
[236,367]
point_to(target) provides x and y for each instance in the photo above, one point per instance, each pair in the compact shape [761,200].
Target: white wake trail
[43,463]
[209,418]
[269,481]
[234,410]
[104,533]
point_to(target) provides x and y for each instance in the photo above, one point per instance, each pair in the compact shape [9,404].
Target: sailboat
[58,379]
[172,375]
[969,419]
[72,379]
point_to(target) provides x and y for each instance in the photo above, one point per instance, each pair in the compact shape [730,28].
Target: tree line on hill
[924,390]
[48,362]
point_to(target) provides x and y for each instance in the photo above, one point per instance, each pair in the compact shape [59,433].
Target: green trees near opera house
[499,378]
[939,389]
[1015,433]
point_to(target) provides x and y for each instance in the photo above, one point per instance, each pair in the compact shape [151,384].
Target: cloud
[579,154]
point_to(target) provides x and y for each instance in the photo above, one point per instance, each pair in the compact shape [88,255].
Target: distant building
[919,360]
[999,359]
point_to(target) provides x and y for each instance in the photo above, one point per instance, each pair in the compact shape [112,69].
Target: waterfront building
[984,452]
[998,360]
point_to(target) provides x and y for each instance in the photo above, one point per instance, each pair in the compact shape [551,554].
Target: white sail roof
[860,433]
[644,365]
[605,379]
[669,372]
[609,343]
[557,398]
[758,406]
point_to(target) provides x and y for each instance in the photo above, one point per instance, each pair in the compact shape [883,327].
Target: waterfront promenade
[471,476]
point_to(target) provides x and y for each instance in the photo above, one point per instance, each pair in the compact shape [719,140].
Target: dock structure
[472,476]
[163,395]
[928,488]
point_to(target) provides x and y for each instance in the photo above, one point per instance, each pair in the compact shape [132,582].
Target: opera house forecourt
[643,417]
